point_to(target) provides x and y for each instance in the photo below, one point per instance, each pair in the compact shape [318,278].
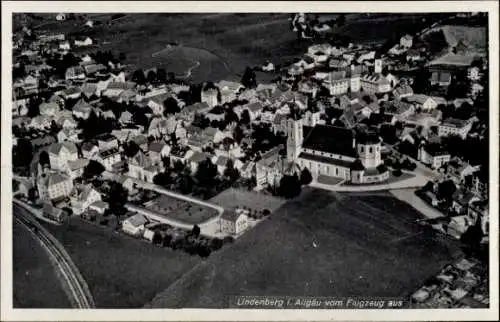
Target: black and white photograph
[237,160]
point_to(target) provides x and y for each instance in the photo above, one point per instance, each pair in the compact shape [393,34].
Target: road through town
[73,282]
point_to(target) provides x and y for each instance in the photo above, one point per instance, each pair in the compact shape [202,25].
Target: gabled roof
[77,164]
[156,146]
[58,147]
[140,159]
[82,106]
[137,220]
[330,139]
[56,177]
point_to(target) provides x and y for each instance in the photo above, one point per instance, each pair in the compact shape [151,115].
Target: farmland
[365,245]
[121,271]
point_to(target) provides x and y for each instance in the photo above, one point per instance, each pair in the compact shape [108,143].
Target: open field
[366,246]
[121,271]
[232,198]
[34,275]
[180,210]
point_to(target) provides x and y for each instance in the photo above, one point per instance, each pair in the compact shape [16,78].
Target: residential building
[83,197]
[433,155]
[53,186]
[83,42]
[61,153]
[75,168]
[402,90]
[228,90]
[75,73]
[234,222]
[89,150]
[209,96]
[375,83]
[157,151]
[49,109]
[107,141]
[135,225]
[270,168]
[142,168]
[422,101]
[82,109]
[441,78]
[109,158]
[452,126]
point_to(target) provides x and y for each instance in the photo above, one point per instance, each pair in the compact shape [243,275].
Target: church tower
[295,137]
[369,151]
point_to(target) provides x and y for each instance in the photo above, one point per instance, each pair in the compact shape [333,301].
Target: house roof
[84,191]
[435,149]
[137,220]
[330,139]
[232,86]
[140,139]
[55,178]
[93,68]
[77,164]
[88,146]
[82,106]
[58,147]
[197,157]
[456,123]
[318,158]
[231,215]
[156,146]
[403,90]
[254,107]
[121,85]
[375,78]
[417,98]
[441,77]
[109,152]
[125,117]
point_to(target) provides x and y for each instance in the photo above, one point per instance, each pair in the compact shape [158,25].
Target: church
[336,152]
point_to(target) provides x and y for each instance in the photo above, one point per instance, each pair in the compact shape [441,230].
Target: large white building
[335,152]
[61,153]
[453,126]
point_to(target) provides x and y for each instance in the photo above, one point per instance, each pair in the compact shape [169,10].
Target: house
[157,151]
[399,109]
[195,159]
[61,153]
[82,109]
[54,186]
[75,168]
[40,122]
[441,78]
[161,126]
[68,134]
[106,141]
[64,45]
[89,150]
[109,158]
[209,95]
[413,55]
[452,126]
[254,109]
[247,171]
[83,42]
[156,103]
[305,63]
[71,93]
[433,155]
[459,170]
[142,168]
[403,90]
[375,83]
[75,73]
[234,222]
[83,197]
[92,69]
[422,101]
[228,90]
[99,206]
[187,114]
[49,109]
[269,169]
[406,41]
[125,118]
[141,141]
[135,225]
[53,213]
[463,200]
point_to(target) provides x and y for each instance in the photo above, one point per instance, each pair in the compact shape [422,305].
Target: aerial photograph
[250,160]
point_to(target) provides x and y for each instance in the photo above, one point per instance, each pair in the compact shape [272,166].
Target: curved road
[73,282]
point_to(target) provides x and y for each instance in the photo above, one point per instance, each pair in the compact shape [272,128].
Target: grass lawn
[34,275]
[121,271]
[232,198]
[366,246]
[180,210]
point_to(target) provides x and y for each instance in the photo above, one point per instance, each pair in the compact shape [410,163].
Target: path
[416,181]
[73,283]
[408,196]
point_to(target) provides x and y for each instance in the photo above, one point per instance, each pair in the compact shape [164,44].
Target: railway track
[74,284]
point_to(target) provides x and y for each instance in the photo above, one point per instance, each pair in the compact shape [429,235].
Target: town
[152,155]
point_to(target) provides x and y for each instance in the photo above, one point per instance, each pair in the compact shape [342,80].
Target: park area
[320,244]
[180,210]
[121,271]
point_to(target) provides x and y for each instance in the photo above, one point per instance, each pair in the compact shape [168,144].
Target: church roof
[330,139]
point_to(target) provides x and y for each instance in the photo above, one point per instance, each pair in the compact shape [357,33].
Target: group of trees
[95,125]
[117,198]
[290,186]
[192,242]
